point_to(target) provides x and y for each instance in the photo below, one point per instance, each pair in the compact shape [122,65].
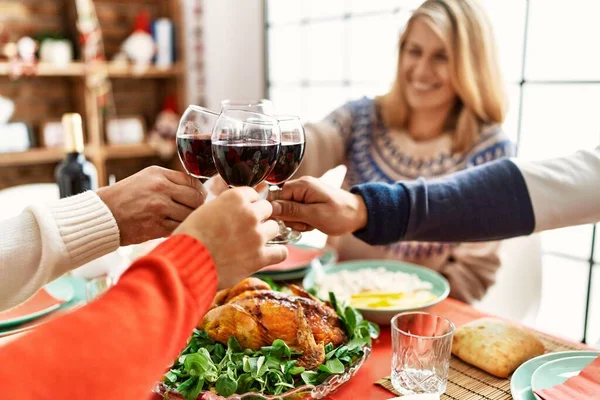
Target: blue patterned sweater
[355,136]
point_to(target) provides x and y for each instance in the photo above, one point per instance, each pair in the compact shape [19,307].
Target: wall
[233,50]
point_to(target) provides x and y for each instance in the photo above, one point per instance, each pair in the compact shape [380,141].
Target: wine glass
[245,145]
[262,106]
[289,158]
[194,144]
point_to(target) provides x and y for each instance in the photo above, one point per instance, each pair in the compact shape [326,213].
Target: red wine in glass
[288,161]
[195,152]
[244,162]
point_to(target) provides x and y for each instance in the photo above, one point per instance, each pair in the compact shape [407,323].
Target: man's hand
[152,203]
[308,203]
[234,227]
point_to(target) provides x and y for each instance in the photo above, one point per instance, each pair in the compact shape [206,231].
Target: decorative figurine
[140,46]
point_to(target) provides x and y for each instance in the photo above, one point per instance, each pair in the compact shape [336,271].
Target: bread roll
[495,346]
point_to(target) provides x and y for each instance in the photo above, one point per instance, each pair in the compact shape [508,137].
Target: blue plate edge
[556,361]
[513,389]
[78,285]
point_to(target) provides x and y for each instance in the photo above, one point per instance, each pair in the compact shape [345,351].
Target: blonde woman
[442,115]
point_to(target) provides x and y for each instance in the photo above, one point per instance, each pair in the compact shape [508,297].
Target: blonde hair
[474,70]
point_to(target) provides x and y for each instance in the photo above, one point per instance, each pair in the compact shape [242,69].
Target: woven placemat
[468,382]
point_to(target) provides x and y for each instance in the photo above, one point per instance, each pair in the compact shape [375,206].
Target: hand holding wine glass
[238,219]
[308,203]
[152,203]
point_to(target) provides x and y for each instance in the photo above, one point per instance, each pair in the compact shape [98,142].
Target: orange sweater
[118,346]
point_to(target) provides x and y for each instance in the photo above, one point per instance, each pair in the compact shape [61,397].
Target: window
[322,54]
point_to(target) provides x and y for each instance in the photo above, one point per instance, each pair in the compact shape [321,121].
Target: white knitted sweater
[47,240]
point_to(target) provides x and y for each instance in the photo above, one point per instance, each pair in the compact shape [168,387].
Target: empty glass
[421,345]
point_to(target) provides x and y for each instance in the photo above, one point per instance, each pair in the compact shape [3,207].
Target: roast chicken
[257,315]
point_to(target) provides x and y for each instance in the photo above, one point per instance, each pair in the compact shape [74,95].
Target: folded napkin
[585,386]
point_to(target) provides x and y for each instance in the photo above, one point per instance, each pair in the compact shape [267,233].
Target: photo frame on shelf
[126,130]
[52,134]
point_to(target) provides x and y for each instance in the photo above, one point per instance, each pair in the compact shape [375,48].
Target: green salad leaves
[208,365]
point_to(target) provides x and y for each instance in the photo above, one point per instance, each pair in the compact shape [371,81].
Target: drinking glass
[262,106]
[245,145]
[291,153]
[421,345]
[194,144]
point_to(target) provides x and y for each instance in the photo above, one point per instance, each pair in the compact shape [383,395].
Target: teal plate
[558,371]
[329,257]
[38,305]
[520,383]
[68,288]
[440,286]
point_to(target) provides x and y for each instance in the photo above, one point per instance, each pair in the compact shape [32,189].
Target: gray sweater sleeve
[489,202]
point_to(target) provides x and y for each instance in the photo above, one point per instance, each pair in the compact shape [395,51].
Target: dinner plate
[298,262]
[46,300]
[69,292]
[520,383]
[382,316]
[558,371]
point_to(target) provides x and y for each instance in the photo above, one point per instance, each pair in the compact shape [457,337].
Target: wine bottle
[74,174]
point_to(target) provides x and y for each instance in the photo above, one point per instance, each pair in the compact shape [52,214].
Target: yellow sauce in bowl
[383,300]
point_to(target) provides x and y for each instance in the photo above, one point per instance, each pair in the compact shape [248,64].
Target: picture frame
[126,130]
